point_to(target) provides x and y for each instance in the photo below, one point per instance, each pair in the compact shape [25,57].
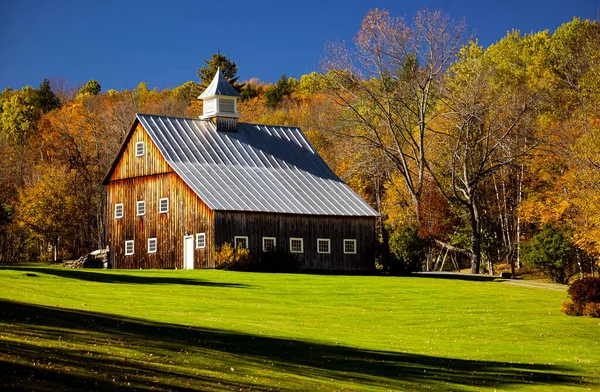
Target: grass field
[64,329]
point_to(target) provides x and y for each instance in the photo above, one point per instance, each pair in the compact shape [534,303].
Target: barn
[179,187]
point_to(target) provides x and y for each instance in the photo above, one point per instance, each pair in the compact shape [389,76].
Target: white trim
[119,216]
[137,150]
[160,205]
[240,237]
[203,236]
[264,248]
[137,208]
[349,241]
[301,245]
[325,240]
[155,245]
[127,243]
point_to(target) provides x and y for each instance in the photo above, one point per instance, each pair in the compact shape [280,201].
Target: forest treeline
[489,155]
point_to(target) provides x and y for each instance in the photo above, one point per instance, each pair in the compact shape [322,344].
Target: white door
[188,252]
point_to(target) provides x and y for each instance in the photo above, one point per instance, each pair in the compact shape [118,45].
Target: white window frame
[117,216]
[264,248]
[240,237]
[160,204]
[150,240]
[141,203]
[301,245]
[198,237]
[137,149]
[325,240]
[132,248]
[348,240]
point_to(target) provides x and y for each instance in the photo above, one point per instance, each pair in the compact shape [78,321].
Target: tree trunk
[475,239]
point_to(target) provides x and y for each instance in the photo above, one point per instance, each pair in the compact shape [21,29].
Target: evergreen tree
[44,98]
[208,72]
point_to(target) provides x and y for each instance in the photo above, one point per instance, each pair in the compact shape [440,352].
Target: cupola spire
[220,103]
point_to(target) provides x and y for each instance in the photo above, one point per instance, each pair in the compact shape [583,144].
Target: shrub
[228,258]
[585,298]
[554,252]
[592,309]
[278,260]
[406,250]
[572,309]
[585,290]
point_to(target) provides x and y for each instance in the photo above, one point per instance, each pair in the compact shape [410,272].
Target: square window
[152,245]
[141,208]
[139,149]
[118,211]
[350,247]
[241,241]
[323,245]
[163,205]
[269,244]
[200,240]
[297,245]
[128,248]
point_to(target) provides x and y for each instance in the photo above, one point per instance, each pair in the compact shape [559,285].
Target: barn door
[188,252]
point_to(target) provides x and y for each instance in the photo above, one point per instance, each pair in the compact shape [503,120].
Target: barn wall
[131,165]
[150,178]
[309,227]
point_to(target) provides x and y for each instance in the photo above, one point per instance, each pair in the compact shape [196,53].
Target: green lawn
[64,329]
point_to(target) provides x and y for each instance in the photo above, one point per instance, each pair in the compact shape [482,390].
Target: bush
[278,260]
[228,258]
[572,309]
[585,290]
[592,309]
[554,252]
[407,250]
[585,298]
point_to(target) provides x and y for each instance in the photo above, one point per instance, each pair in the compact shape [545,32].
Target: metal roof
[259,168]
[219,86]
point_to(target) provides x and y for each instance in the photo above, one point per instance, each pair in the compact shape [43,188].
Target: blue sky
[121,43]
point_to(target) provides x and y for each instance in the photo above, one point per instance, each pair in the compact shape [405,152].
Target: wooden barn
[179,187]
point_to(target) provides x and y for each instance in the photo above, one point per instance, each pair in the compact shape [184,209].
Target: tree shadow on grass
[112,277]
[455,275]
[44,348]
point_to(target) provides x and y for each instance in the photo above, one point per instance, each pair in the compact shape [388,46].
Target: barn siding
[187,214]
[151,163]
[256,225]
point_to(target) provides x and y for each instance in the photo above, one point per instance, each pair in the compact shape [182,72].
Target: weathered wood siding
[130,165]
[150,178]
[256,225]
[187,214]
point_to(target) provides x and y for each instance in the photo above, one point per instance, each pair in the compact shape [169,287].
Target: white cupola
[220,104]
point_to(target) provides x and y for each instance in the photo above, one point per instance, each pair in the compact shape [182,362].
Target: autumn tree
[489,123]
[389,81]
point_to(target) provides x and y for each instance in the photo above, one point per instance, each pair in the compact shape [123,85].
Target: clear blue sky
[121,43]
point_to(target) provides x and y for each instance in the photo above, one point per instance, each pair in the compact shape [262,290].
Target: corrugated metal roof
[259,168]
[219,86]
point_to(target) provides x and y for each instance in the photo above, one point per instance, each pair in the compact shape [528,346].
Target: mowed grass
[64,329]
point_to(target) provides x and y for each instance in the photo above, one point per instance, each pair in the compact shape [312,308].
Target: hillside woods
[463,149]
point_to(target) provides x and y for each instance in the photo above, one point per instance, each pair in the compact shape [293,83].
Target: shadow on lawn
[168,356]
[455,275]
[111,277]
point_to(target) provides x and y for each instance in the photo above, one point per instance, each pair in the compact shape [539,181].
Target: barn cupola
[220,104]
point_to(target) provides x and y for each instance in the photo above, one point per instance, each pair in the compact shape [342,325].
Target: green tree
[208,72]
[283,88]
[92,87]
[554,252]
[44,98]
